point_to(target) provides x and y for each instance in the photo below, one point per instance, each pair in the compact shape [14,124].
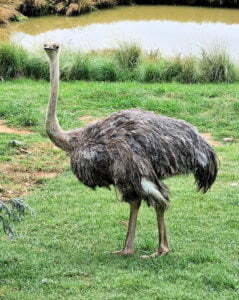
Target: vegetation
[9,10]
[216,67]
[64,253]
[126,63]
[11,211]
[128,56]
[12,61]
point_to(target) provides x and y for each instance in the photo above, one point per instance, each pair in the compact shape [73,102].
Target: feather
[132,146]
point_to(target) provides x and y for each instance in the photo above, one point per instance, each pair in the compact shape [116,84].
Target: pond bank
[13,11]
[128,62]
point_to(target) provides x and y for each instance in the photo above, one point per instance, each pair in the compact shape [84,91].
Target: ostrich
[134,150]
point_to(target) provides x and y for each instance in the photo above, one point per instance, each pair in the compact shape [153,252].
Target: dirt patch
[6,129]
[208,137]
[42,161]
[19,183]
[87,119]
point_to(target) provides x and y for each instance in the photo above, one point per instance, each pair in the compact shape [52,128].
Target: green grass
[124,64]
[215,66]
[12,60]
[63,253]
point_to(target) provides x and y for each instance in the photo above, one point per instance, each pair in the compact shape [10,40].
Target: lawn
[64,251]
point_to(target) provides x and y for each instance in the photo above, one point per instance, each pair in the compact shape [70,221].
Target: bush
[12,60]
[216,66]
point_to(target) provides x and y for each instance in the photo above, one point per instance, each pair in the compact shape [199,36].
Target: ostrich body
[134,150]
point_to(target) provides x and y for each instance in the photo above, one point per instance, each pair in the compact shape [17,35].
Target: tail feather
[206,169]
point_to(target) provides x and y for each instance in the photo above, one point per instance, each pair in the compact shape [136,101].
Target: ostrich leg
[163,248]
[128,245]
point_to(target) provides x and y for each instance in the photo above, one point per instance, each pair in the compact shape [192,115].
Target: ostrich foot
[160,252]
[124,252]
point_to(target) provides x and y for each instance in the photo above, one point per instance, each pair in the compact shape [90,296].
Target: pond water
[173,30]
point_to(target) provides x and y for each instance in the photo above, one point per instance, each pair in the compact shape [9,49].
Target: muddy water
[171,29]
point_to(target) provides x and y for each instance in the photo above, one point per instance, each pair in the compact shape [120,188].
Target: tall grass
[12,61]
[36,68]
[80,69]
[128,55]
[103,69]
[125,64]
[215,66]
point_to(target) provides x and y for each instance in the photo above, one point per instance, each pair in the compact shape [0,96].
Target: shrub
[216,66]
[12,60]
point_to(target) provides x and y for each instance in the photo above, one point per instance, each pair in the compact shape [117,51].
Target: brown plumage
[134,150]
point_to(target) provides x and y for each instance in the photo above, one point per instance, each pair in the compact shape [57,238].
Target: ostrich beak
[51,47]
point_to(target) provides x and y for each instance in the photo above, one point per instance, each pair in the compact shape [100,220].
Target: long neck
[53,129]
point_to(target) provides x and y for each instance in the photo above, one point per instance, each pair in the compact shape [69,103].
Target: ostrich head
[52,50]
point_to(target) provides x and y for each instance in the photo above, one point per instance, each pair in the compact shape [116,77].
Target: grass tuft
[103,70]
[188,72]
[80,70]
[215,66]
[12,60]
[36,68]
[153,72]
[128,55]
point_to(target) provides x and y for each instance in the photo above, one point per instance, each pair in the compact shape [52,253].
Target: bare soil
[6,129]
[209,138]
[28,169]
[87,119]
